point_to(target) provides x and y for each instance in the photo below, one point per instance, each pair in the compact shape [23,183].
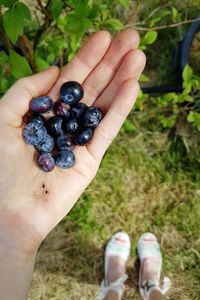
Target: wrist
[17,258]
[17,238]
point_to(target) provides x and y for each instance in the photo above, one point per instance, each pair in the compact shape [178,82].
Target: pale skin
[32,202]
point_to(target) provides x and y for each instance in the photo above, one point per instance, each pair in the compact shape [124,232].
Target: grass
[145,183]
[137,189]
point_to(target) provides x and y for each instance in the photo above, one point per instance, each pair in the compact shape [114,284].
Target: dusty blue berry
[78,110]
[65,159]
[71,92]
[33,133]
[61,109]
[46,162]
[92,117]
[46,145]
[63,142]
[84,137]
[41,104]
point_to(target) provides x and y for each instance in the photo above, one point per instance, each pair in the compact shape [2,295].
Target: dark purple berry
[41,105]
[78,110]
[61,109]
[92,117]
[70,126]
[65,159]
[71,92]
[46,162]
[84,137]
[63,142]
[36,118]
[54,126]
[46,145]
[33,133]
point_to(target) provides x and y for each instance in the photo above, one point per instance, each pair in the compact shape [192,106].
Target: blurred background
[149,179]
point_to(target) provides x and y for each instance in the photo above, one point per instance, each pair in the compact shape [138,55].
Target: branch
[6,42]
[134,12]
[46,24]
[27,50]
[44,9]
[162,27]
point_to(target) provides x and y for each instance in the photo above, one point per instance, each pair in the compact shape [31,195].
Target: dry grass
[135,190]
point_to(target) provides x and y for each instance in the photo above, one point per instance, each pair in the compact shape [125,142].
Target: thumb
[15,103]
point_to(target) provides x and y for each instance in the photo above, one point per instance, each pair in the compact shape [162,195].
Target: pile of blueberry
[73,123]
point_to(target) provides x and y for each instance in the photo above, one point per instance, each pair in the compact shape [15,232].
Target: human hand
[32,202]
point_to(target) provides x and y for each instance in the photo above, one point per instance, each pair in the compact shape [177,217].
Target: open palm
[33,201]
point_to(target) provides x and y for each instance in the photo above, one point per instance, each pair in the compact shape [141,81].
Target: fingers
[131,67]
[15,103]
[114,118]
[101,76]
[84,62]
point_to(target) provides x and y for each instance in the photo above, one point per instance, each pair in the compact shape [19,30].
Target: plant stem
[25,46]
[161,27]
[46,24]
[134,12]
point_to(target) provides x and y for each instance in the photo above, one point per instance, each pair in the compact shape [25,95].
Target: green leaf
[8,3]
[128,126]
[81,9]
[19,66]
[174,13]
[194,117]
[56,8]
[78,27]
[41,63]
[125,3]
[149,38]
[191,117]
[114,23]
[187,74]
[168,122]
[4,85]
[169,97]
[144,78]
[50,58]
[14,20]
[3,57]
[185,97]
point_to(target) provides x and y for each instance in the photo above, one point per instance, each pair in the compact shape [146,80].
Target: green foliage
[194,118]
[56,8]
[17,60]
[8,3]
[128,126]
[148,39]
[14,20]
[55,36]
[113,24]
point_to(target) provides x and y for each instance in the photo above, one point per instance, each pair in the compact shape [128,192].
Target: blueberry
[78,110]
[63,142]
[71,92]
[54,126]
[41,104]
[46,145]
[61,109]
[65,159]
[33,133]
[46,162]
[92,117]
[36,118]
[70,126]
[83,137]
